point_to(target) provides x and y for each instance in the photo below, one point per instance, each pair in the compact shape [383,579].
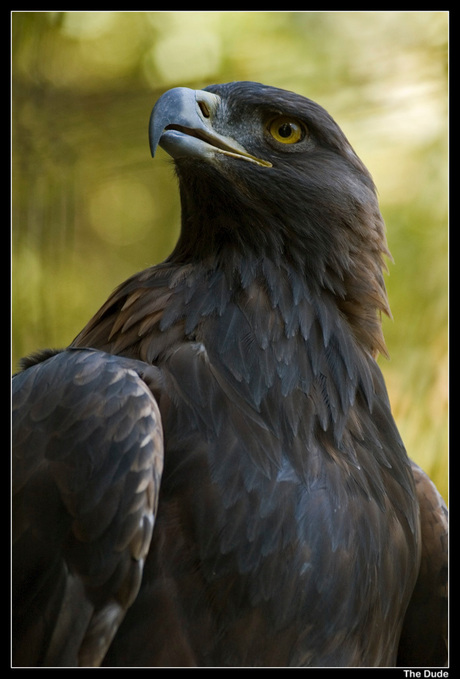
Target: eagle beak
[181,123]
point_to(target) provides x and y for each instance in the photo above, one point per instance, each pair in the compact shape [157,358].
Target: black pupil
[285,130]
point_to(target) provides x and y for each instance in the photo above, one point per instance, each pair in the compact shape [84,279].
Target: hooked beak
[181,123]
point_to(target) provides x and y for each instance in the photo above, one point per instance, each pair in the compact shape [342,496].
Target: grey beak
[182,107]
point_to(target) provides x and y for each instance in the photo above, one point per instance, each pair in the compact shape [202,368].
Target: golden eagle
[210,475]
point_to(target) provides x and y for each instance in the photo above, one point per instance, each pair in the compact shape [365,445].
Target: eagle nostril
[204,109]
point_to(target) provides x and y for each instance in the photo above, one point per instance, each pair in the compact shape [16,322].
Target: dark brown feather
[424,639]
[88,457]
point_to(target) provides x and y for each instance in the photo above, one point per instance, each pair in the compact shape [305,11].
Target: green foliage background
[90,207]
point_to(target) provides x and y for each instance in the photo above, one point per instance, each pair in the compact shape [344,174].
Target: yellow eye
[286,130]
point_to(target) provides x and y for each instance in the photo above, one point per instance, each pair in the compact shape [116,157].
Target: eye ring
[286,130]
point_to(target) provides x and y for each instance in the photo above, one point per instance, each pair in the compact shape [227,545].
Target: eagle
[210,475]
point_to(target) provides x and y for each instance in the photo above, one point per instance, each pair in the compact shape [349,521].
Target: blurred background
[90,207]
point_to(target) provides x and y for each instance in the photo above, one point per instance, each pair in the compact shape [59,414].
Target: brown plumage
[292,529]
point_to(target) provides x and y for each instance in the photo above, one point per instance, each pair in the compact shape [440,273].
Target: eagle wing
[87,465]
[424,635]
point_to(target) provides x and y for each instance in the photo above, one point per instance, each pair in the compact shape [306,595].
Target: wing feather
[424,635]
[87,464]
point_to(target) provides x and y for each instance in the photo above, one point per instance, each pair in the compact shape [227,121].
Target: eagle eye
[286,130]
